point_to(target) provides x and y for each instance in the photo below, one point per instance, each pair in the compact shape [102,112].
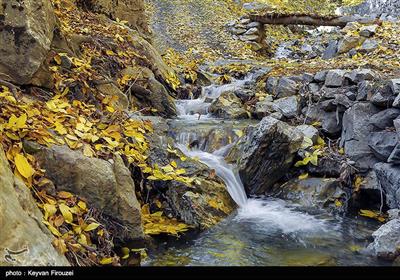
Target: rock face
[314,192]
[265,153]
[389,178]
[228,106]
[21,224]
[106,185]
[133,11]
[25,38]
[386,243]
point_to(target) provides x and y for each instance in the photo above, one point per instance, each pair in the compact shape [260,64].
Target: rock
[132,11]
[272,83]
[307,77]
[383,97]
[255,6]
[314,192]
[252,31]
[238,31]
[349,42]
[265,153]
[25,38]
[107,186]
[396,124]
[255,46]
[286,87]
[21,224]
[365,91]
[264,108]
[394,157]
[386,243]
[368,46]
[288,106]
[308,131]
[327,167]
[389,178]
[246,38]
[385,118]
[395,87]
[350,26]
[111,89]
[368,31]
[351,95]
[394,214]
[228,106]
[357,76]
[331,50]
[356,129]
[334,78]
[320,76]
[382,144]
[253,24]
[331,122]
[313,88]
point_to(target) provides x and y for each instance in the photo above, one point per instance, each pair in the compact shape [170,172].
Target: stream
[263,230]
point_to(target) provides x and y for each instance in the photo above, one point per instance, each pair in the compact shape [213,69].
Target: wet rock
[265,153]
[331,50]
[349,42]
[288,106]
[25,38]
[365,91]
[389,178]
[314,192]
[368,46]
[334,78]
[308,131]
[105,185]
[386,243]
[356,129]
[327,166]
[368,31]
[385,118]
[228,106]
[320,76]
[21,224]
[382,144]
[286,87]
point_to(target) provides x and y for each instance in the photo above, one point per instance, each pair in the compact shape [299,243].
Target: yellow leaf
[106,260]
[66,212]
[82,205]
[64,194]
[92,226]
[303,176]
[49,210]
[23,166]
[173,163]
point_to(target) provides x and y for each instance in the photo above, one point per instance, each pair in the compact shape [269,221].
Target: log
[304,19]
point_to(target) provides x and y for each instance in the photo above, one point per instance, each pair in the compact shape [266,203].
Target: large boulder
[314,192]
[26,33]
[389,178]
[356,130]
[132,11]
[286,87]
[21,225]
[265,153]
[107,185]
[386,243]
[349,42]
[228,106]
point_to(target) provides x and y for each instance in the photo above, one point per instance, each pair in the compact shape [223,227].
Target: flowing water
[263,231]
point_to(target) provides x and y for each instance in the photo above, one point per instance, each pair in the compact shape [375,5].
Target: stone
[334,78]
[394,157]
[331,123]
[238,31]
[356,129]
[386,244]
[308,131]
[246,38]
[286,87]
[264,108]
[393,214]
[389,178]
[106,186]
[395,87]
[228,106]
[382,144]
[21,224]
[327,167]
[385,118]
[272,83]
[331,50]
[383,97]
[368,31]
[313,88]
[307,77]
[313,192]
[365,91]
[253,24]
[255,46]
[368,46]
[288,106]
[349,42]
[252,31]
[111,89]
[396,124]
[351,95]
[25,38]
[359,75]
[320,76]
[265,154]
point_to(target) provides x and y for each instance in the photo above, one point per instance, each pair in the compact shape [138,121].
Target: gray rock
[245,38]
[272,83]
[228,106]
[383,97]
[386,243]
[308,131]
[265,153]
[238,31]
[286,87]
[331,122]
[264,108]
[252,31]
[394,214]
[351,95]
[357,76]
[320,76]
[313,88]
[365,91]
[327,167]
[395,87]
[313,192]
[396,124]
[253,24]
[368,46]
[368,31]
[349,42]
[389,178]
[331,50]
[382,144]
[334,78]
[288,106]
[394,157]
[307,77]
[356,129]
[385,118]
